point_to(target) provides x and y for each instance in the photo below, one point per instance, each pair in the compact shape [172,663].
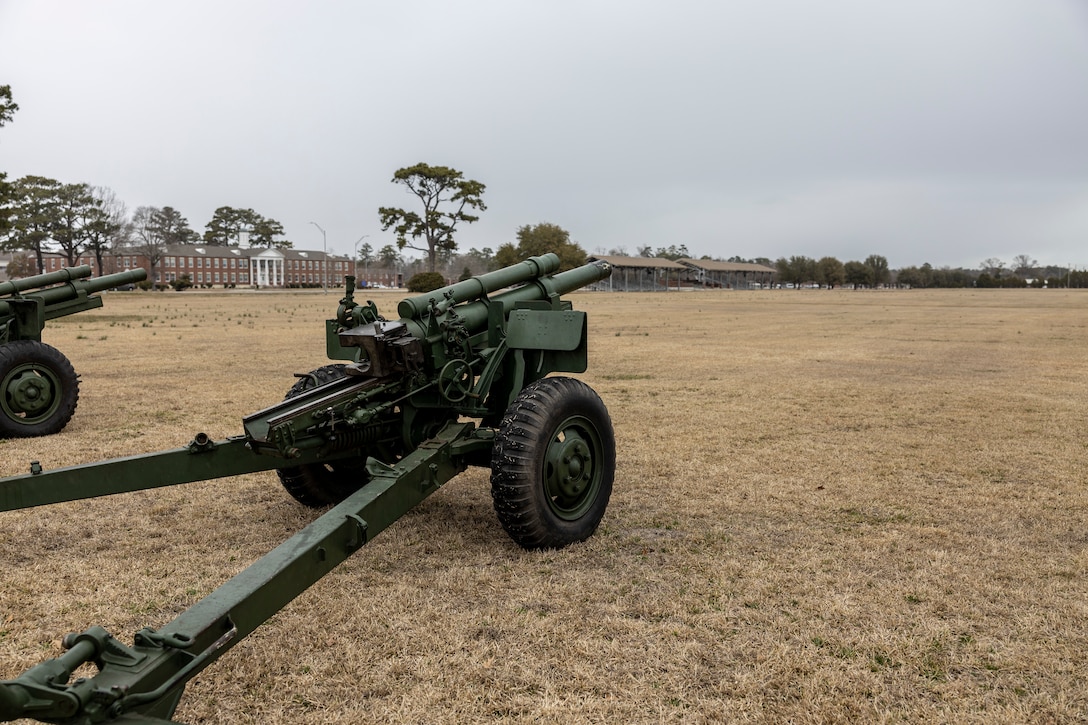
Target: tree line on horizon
[78,219]
[39,214]
[803,271]
[874,272]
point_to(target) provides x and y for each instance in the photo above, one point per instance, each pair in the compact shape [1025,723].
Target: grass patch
[838,507]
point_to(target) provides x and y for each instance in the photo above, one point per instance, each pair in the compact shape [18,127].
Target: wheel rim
[572,473]
[30,393]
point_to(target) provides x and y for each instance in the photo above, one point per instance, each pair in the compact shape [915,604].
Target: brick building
[226,266]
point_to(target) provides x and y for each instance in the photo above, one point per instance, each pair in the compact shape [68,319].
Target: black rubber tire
[552,464]
[320,484]
[39,389]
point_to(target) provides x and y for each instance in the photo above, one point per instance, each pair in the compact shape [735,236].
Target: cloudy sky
[940,131]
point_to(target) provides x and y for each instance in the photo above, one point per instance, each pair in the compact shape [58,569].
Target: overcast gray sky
[940,131]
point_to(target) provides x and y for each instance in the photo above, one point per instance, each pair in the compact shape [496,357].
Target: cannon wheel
[39,389]
[552,464]
[321,484]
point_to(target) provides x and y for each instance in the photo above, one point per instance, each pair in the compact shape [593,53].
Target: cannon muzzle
[70,285]
[446,318]
[480,286]
[475,314]
[117,279]
[472,299]
[109,281]
[44,280]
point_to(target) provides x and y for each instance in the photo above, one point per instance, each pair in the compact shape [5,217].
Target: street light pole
[324,260]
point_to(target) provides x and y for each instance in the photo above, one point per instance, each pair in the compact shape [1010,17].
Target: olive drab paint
[460,379]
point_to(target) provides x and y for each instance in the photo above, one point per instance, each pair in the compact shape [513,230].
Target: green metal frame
[456,352]
[147,679]
[201,460]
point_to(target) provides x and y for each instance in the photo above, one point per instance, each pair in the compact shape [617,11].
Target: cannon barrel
[475,314]
[476,287]
[44,280]
[71,289]
[465,305]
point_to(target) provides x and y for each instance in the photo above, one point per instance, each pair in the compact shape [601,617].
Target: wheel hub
[570,472]
[29,393]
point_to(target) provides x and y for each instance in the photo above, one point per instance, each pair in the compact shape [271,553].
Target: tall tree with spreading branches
[8,107]
[264,234]
[34,216]
[108,225]
[447,198]
[879,268]
[540,239]
[229,224]
[153,230]
[77,212]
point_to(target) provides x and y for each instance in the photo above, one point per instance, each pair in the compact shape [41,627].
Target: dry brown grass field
[828,507]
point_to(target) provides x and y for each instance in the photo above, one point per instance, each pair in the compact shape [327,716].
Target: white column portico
[267,269]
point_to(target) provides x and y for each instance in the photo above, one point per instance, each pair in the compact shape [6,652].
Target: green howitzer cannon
[372,436]
[39,388]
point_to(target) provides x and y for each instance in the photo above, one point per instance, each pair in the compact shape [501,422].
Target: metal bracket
[28,318]
[201,443]
[359,539]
